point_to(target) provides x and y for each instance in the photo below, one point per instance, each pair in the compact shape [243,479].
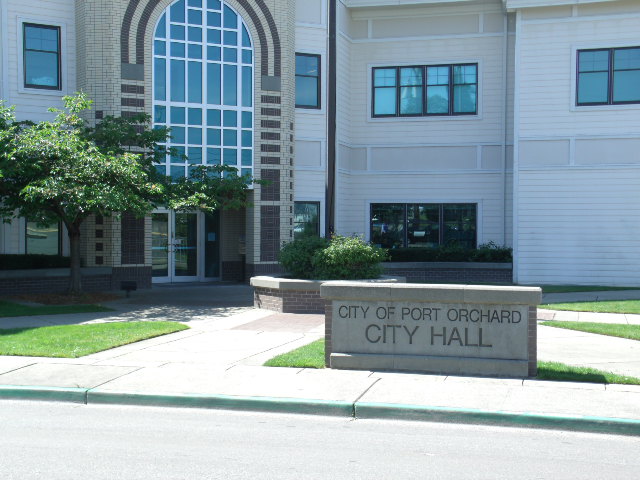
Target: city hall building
[409,122]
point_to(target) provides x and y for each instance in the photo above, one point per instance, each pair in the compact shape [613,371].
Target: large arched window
[203,86]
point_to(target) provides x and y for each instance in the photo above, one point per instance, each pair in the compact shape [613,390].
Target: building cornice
[397,3]
[512,5]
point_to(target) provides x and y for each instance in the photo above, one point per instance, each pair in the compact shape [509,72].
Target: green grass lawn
[73,341]
[312,356]
[610,306]
[631,332]
[581,288]
[11,309]
[308,356]
[568,373]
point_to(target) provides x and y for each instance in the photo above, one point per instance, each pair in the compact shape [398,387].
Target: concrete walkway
[217,363]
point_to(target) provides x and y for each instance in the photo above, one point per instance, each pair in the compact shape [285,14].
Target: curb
[615,426]
[225,402]
[54,394]
[358,410]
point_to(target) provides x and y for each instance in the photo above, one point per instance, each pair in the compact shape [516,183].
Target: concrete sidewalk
[217,364]
[571,316]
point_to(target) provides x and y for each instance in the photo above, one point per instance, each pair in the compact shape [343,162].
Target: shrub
[487,252]
[491,252]
[348,258]
[32,261]
[297,257]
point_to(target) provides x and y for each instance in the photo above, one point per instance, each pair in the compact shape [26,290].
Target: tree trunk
[75,284]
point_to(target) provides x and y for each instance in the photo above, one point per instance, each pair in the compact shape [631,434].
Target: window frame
[610,77]
[169,165]
[59,237]
[58,29]
[441,221]
[318,222]
[318,57]
[450,88]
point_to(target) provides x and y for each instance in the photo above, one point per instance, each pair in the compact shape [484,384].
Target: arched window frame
[195,38]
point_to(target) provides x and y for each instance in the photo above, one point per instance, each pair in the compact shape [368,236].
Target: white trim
[516,148]
[406,144]
[64,54]
[323,18]
[309,169]
[319,26]
[4,51]
[572,151]
[582,18]
[414,173]
[423,37]
[596,166]
[581,137]
[505,104]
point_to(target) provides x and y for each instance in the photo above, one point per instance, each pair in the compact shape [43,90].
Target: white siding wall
[311,125]
[427,159]
[32,104]
[578,168]
[481,188]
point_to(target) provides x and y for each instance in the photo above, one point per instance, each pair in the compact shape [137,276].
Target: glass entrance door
[184,247]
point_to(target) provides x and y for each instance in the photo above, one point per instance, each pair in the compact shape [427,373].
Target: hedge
[32,261]
[489,252]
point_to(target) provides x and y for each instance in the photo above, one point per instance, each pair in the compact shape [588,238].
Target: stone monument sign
[449,329]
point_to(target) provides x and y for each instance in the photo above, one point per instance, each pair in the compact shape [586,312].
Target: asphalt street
[52,441]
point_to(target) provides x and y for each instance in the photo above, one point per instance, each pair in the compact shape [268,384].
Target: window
[42,239]
[307,80]
[41,61]
[425,90]
[608,76]
[306,219]
[395,225]
[203,87]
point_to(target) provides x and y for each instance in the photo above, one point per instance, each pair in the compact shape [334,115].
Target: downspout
[505,82]
[330,193]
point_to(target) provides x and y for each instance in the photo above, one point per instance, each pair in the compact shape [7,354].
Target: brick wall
[288,301]
[141,275]
[232,271]
[94,282]
[36,284]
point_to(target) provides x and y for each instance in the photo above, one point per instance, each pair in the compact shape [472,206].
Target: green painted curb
[616,426]
[229,402]
[58,394]
[361,410]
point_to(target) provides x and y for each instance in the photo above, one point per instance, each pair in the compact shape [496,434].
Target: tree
[64,170]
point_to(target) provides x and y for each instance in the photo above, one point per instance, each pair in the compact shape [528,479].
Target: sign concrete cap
[284,283]
[342,290]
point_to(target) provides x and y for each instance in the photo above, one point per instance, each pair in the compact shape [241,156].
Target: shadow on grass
[569,373]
